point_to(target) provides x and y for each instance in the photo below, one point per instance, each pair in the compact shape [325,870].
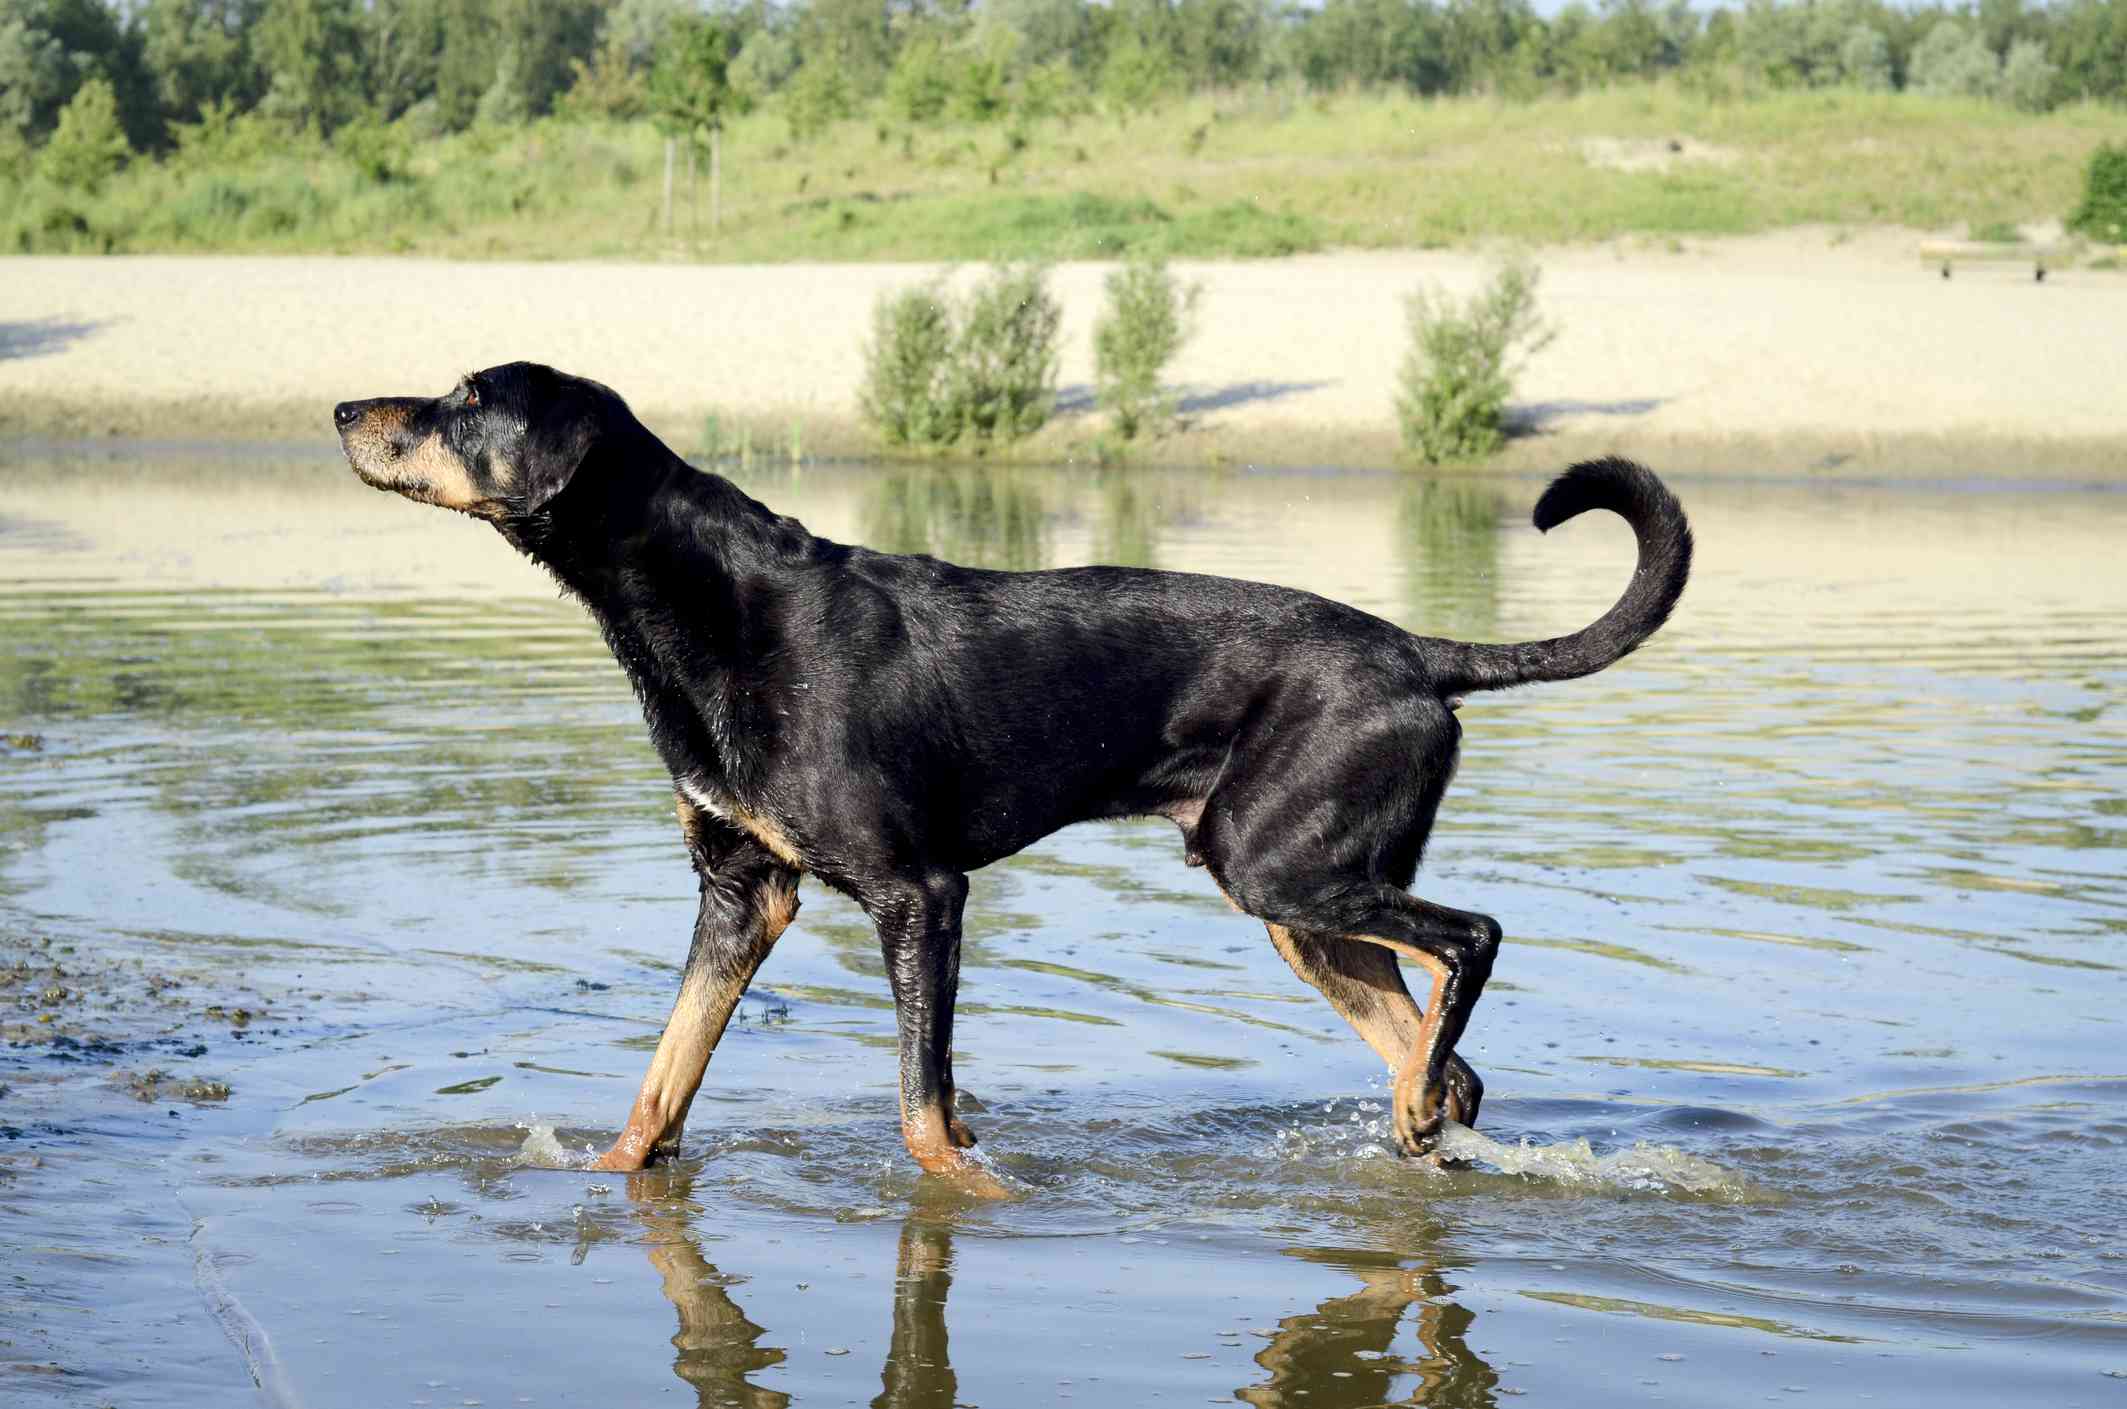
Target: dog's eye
[472,398]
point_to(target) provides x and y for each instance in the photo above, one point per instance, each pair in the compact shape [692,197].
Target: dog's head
[500,442]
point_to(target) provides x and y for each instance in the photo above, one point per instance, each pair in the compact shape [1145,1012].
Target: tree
[1137,75]
[2028,76]
[1953,62]
[49,48]
[1048,30]
[88,146]
[2089,42]
[311,52]
[921,82]
[691,95]
[608,86]
[850,38]
[198,52]
[402,40]
[36,76]
[638,27]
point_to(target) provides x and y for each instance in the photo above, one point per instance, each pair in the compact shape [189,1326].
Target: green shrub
[921,82]
[906,391]
[1137,75]
[50,222]
[1004,358]
[981,88]
[938,370]
[2103,213]
[1146,321]
[817,97]
[378,151]
[89,146]
[1462,362]
[1051,90]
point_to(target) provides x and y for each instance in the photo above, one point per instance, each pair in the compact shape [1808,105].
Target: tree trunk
[669,142]
[694,197]
[716,181]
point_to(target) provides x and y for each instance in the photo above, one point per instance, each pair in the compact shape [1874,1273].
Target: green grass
[1264,173]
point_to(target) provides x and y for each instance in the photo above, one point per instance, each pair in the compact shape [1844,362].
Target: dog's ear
[555,447]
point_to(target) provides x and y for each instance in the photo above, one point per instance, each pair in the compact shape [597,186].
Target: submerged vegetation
[1027,128]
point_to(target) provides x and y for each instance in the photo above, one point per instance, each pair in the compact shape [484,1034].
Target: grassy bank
[1264,173]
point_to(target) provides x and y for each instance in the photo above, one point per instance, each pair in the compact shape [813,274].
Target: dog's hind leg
[748,899]
[1365,985]
[1456,947]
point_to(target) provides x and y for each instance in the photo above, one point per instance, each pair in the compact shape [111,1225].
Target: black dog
[892,723]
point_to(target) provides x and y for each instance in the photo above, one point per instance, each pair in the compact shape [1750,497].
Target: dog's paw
[621,1159]
[1418,1130]
[963,1138]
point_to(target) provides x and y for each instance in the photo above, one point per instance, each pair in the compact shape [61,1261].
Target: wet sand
[1802,352]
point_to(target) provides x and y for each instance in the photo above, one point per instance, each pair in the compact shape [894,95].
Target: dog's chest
[726,808]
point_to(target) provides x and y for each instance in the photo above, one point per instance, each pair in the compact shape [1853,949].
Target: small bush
[2103,213]
[1004,359]
[1136,77]
[906,393]
[1051,90]
[1145,323]
[1462,362]
[937,371]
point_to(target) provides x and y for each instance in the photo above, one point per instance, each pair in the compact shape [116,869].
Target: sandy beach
[1803,352]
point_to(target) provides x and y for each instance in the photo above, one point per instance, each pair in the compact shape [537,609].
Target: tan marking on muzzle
[428,473]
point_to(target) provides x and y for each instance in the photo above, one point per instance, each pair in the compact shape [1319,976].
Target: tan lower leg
[698,1020]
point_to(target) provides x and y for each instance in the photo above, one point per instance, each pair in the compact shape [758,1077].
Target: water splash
[1642,1166]
[542,1149]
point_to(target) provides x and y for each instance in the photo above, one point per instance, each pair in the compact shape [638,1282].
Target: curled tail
[1632,492]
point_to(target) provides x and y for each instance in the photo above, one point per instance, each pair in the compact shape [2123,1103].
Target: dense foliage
[978,370]
[2103,213]
[438,66]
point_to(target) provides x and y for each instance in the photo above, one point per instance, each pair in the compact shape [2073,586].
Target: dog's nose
[343,415]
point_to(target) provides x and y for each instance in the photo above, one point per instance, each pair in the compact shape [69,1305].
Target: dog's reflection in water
[1338,1356]
[718,1349]
[1341,1355]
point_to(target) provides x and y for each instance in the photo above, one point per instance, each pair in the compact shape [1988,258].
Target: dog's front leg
[919,933]
[748,899]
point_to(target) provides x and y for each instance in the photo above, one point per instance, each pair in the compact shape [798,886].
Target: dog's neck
[685,574]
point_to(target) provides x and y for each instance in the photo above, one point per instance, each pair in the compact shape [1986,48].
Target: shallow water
[1806,1067]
